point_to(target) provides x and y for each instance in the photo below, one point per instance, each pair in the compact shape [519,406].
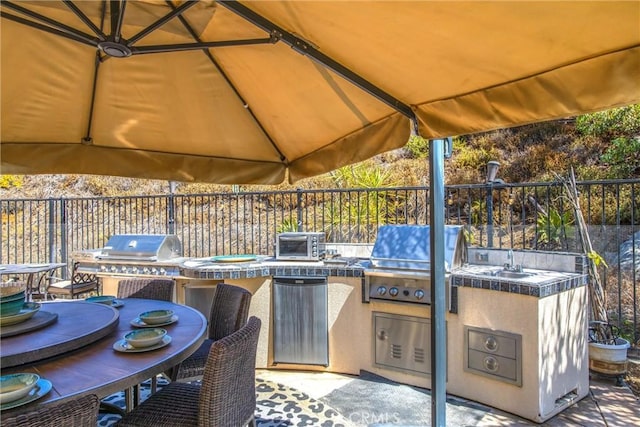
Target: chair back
[229,310]
[79,278]
[77,413]
[147,288]
[228,393]
[79,283]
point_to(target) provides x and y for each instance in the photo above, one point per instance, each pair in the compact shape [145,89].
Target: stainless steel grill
[135,255]
[400,267]
[142,247]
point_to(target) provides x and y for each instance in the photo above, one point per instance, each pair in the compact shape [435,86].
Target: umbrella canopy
[242,92]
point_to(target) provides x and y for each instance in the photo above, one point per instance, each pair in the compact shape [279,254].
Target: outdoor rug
[277,406]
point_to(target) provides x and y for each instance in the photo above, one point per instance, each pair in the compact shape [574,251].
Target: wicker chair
[149,288]
[80,283]
[226,396]
[81,412]
[229,312]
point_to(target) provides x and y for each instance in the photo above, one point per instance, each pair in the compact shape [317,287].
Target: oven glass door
[293,246]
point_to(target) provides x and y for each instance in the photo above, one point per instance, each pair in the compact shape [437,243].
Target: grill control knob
[419,294]
[114,268]
[393,291]
[382,290]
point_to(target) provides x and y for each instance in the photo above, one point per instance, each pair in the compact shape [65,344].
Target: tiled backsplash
[541,260]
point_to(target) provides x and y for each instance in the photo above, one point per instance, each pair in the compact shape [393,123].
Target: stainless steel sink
[513,274]
[508,274]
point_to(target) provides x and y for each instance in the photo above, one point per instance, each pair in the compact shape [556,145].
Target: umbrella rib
[54,28]
[283,158]
[88,140]
[306,49]
[84,18]
[196,46]
[117,16]
[177,11]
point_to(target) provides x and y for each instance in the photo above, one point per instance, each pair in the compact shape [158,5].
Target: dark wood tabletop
[78,324]
[98,369]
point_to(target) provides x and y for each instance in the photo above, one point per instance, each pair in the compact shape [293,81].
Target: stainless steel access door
[300,320]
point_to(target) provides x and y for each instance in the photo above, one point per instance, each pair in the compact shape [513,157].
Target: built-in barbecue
[135,254]
[400,266]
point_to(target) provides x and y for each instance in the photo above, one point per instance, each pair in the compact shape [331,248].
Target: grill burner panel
[401,267]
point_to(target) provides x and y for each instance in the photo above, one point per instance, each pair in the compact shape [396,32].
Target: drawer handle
[382,334]
[491,364]
[491,343]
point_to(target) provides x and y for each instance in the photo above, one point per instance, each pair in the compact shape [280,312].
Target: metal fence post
[299,208]
[51,231]
[171,206]
[64,249]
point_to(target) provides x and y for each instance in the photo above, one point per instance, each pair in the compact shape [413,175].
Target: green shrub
[552,226]
[288,225]
[624,121]
[418,147]
[623,157]
[363,175]
[11,181]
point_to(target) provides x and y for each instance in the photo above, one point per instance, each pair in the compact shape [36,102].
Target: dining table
[31,271]
[99,363]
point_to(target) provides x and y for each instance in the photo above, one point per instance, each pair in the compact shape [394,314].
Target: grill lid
[144,247]
[409,247]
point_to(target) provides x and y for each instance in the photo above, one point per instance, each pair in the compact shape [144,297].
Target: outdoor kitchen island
[517,344]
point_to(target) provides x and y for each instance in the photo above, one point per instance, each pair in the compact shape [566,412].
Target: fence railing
[533,216]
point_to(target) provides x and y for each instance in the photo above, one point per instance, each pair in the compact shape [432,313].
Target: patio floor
[369,400]
[320,399]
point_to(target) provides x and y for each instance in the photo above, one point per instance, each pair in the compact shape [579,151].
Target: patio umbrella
[249,92]
[244,92]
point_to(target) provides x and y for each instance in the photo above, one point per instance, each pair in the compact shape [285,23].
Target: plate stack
[13,308]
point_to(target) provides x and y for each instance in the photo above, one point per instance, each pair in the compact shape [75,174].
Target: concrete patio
[369,400]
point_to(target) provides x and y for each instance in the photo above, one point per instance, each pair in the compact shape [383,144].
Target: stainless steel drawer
[493,343]
[493,354]
[494,365]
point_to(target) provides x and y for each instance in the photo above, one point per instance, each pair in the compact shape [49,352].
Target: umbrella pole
[438,301]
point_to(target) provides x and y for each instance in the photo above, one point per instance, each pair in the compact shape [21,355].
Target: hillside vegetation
[604,145]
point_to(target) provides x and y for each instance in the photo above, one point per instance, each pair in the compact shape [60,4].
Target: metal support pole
[299,208]
[438,301]
[171,206]
[489,215]
[64,245]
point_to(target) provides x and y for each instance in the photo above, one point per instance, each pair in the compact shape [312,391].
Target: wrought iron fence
[533,216]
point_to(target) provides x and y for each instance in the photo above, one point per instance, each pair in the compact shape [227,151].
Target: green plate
[42,387]
[234,258]
[27,312]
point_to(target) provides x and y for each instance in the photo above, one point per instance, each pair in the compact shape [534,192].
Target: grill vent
[396,351]
[418,355]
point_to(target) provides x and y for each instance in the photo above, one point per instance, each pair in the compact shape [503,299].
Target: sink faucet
[509,264]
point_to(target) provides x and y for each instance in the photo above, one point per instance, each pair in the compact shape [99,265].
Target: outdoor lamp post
[492,171]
